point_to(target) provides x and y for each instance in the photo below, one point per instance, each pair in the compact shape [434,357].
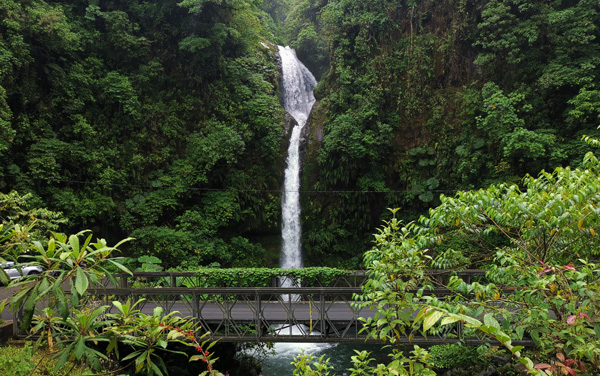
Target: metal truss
[268,314]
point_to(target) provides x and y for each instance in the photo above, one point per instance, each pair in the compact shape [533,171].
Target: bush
[18,360]
[454,356]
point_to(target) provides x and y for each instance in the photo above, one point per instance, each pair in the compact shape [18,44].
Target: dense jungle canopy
[161,119]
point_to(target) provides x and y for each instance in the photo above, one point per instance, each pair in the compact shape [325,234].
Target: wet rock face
[312,134]
[305,137]
[290,123]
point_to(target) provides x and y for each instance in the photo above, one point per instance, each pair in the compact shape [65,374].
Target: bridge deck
[269,314]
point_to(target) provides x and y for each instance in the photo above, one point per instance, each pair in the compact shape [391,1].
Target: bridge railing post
[322,315]
[257,321]
[196,305]
[229,325]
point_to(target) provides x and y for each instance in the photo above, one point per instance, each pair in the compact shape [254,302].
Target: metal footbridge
[268,314]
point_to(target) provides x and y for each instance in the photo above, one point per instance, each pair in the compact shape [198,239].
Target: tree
[538,242]
[123,115]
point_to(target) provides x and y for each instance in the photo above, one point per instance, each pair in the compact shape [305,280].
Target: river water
[338,355]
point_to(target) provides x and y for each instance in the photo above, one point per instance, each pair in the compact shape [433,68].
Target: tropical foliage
[64,260]
[27,360]
[157,119]
[161,120]
[537,241]
[423,98]
[72,329]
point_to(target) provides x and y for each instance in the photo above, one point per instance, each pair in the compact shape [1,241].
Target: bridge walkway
[267,314]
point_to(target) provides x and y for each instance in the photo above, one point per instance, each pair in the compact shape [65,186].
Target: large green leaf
[431,319]
[74,243]
[489,320]
[81,281]
[61,300]
[4,278]
[121,267]
[80,347]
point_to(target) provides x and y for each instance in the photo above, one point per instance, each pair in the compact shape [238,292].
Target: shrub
[26,361]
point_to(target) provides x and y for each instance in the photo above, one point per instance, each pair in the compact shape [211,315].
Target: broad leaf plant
[539,243]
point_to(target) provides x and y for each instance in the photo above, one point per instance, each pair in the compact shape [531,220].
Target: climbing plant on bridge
[257,277]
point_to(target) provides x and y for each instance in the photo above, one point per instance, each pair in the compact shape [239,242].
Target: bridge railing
[205,279]
[281,314]
[268,314]
[278,314]
[352,278]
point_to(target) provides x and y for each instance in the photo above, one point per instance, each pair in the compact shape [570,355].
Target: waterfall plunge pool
[338,354]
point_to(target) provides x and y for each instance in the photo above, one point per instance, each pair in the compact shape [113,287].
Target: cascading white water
[298,84]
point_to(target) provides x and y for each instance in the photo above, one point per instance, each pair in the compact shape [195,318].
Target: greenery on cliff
[426,97]
[155,119]
[161,119]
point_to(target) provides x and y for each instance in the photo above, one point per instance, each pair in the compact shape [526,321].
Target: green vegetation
[161,120]
[63,260]
[264,277]
[401,365]
[25,360]
[538,243]
[425,97]
[72,329]
[158,120]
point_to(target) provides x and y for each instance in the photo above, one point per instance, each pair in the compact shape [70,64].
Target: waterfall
[297,87]
[298,84]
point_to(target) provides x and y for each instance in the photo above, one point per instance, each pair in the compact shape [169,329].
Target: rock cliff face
[305,135]
[417,69]
[312,141]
